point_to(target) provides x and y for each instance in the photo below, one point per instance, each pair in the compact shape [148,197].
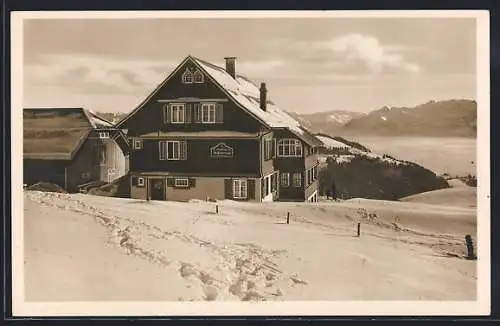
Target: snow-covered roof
[331,143]
[247,94]
[96,121]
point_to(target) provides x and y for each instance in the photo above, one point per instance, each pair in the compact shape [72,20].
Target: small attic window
[198,77]
[103,134]
[187,77]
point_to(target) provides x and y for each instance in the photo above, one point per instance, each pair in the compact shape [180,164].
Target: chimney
[231,66]
[263,96]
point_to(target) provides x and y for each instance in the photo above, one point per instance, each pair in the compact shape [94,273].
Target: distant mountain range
[451,118]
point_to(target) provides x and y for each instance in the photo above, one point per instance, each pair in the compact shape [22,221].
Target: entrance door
[157,189]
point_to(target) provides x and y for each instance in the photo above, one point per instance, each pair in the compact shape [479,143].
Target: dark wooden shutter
[262,187]
[183,150]
[219,113]
[251,189]
[134,181]
[228,189]
[189,109]
[192,182]
[170,182]
[275,148]
[197,112]
[167,116]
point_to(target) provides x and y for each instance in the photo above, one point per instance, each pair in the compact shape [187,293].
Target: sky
[309,64]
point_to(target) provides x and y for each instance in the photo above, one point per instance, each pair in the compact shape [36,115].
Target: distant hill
[451,118]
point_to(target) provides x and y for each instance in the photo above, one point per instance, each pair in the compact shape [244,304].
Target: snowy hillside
[136,250]
[344,153]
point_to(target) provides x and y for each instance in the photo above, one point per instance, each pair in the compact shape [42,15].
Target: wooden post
[216,209]
[470,247]
[359,229]
[288,218]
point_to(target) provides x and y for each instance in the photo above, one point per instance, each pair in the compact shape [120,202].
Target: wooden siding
[267,166]
[83,162]
[150,117]
[291,192]
[199,188]
[245,160]
[51,171]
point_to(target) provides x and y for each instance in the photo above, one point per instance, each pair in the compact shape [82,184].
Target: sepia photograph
[273,163]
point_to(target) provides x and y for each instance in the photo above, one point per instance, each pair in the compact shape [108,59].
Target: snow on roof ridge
[246,93]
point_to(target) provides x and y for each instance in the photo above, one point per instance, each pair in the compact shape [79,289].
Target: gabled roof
[57,133]
[246,94]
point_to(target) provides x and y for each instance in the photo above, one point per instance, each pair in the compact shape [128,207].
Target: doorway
[157,187]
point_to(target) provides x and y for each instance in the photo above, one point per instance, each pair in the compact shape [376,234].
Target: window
[177,113]
[268,148]
[181,183]
[140,182]
[289,148]
[187,77]
[208,113]
[198,77]
[137,144]
[85,175]
[297,179]
[285,179]
[103,134]
[240,188]
[172,150]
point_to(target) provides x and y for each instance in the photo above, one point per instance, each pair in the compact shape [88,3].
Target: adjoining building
[207,131]
[70,147]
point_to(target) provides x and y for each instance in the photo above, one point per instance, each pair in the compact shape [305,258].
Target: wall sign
[221,150]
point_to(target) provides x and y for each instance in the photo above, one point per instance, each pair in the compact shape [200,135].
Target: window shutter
[134,181]
[197,112]
[219,113]
[170,182]
[192,183]
[228,188]
[251,189]
[168,116]
[189,109]
[275,148]
[183,150]
[262,187]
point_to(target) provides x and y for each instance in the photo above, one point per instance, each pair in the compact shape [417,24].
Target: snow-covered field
[458,196]
[82,247]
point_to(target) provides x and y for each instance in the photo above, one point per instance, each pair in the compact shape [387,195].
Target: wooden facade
[204,133]
[70,147]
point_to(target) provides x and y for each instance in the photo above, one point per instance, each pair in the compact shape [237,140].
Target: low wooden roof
[57,133]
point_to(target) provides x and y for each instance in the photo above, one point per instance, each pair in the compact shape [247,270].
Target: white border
[402,308]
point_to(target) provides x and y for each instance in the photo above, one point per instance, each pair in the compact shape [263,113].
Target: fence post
[288,218]
[470,247]
[359,229]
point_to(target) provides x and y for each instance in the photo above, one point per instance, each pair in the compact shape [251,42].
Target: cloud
[365,52]
[96,74]
[368,50]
